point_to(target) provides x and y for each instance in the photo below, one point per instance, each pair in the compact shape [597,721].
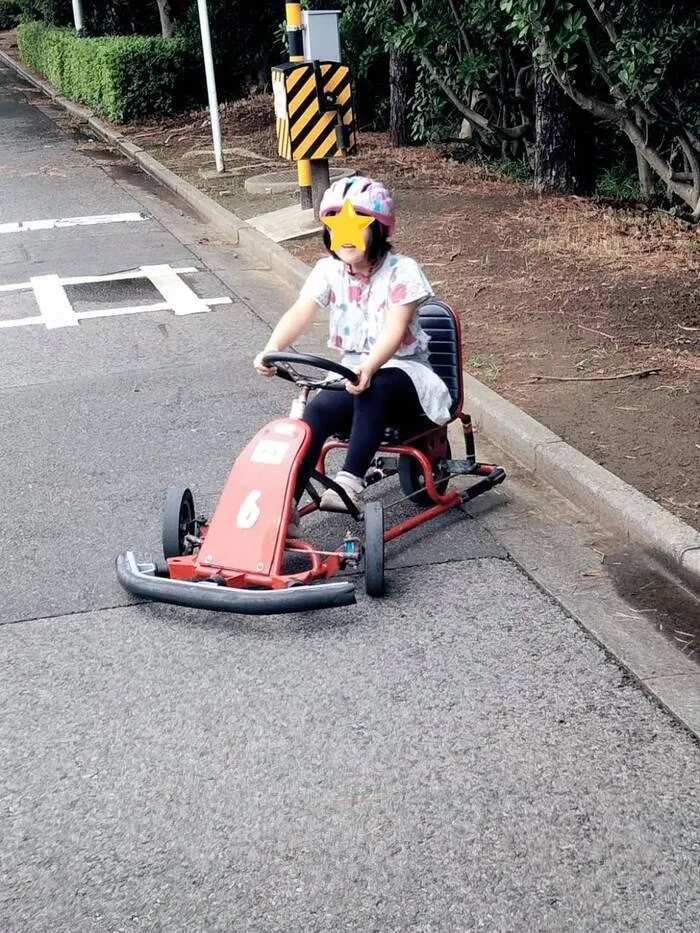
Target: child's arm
[290,326]
[397,320]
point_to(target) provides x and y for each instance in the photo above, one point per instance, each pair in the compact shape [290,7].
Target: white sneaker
[353,486]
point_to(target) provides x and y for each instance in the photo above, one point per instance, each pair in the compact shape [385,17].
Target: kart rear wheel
[374,549]
[178,521]
[413,482]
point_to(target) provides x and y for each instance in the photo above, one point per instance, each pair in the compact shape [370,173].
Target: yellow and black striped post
[296,54]
[313,106]
[315,120]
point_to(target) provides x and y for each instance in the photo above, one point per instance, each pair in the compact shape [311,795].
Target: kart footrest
[459,467]
[493,478]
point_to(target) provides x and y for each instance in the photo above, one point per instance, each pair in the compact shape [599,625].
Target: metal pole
[296,54]
[211,83]
[78,15]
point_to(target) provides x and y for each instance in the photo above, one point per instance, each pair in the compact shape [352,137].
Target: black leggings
[390,401]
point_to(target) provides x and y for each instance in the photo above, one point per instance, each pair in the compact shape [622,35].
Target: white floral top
[358,306]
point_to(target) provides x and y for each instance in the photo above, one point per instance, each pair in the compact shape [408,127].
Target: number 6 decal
[249,512]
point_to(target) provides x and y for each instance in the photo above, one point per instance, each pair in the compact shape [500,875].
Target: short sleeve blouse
[358,305]
[357,308]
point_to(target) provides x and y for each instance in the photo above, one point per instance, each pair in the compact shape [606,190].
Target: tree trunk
[563,140]
[166,20]
[646,177]
[400,83]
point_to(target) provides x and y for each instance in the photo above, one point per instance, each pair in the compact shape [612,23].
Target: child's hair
[378,245]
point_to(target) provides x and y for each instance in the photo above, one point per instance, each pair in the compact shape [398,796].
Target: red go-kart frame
[235,561]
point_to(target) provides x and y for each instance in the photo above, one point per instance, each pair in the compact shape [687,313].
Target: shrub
[121,77]
[9,14]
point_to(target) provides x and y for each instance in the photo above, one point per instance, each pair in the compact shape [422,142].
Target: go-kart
[237,561]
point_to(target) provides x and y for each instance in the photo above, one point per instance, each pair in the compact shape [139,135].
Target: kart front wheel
[178,521]
[374,549]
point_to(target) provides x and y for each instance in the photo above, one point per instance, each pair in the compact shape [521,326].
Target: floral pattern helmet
[367,196]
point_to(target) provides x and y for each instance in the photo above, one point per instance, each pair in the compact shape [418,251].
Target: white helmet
[367,196]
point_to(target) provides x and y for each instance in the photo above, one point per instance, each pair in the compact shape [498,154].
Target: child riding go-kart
[234,562]
[399,386]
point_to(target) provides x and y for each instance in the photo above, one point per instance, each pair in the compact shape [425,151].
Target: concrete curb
[589,486]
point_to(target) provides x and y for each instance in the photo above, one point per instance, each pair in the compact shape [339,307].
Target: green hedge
[9,14]
[121,77]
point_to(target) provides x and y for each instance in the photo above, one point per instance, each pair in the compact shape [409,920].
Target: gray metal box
[321,35]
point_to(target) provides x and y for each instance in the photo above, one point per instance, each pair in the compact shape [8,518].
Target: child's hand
[260,366]
[365,372]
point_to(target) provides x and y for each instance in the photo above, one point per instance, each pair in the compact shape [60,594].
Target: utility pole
[78,15]
[296,54]
[211,84]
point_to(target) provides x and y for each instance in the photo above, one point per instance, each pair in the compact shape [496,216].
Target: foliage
[243,41]
[632,64]
[618,182]
[516,169]
[9,14]
[468,69]
[54,12]
[433,119]
[122,77]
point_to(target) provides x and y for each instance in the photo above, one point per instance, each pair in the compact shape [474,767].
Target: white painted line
[95,279]
[177,293]
[15,288]
[22,322]
[112,312]
[160,306]
[56,309]
[23,225]
[121,276]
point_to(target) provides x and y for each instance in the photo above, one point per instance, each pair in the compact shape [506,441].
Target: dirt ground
[584,313]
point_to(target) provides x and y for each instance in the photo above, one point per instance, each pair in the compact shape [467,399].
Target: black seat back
[439,322]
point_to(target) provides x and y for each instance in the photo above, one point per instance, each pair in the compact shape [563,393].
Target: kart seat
[440,323]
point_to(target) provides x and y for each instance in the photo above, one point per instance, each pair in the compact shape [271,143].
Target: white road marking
[57,311]
[23,225]
[176,292]
[95,279]
[137,309]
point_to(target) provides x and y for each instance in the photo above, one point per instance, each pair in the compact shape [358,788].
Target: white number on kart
[270,452]
[249,512]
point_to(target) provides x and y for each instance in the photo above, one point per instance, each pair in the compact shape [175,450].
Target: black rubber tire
[374,549]
[161,568]
[412,481]
[178,521]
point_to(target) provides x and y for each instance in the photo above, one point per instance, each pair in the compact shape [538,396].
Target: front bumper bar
[142,581]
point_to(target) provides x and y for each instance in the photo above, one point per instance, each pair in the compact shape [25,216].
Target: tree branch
[460,26]
[603,21]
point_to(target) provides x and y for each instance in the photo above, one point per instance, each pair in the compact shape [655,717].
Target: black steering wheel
[288,372]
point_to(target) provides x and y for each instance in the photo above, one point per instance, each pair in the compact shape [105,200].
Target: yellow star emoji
[347,228]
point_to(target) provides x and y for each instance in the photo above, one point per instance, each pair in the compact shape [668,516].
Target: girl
[372,296]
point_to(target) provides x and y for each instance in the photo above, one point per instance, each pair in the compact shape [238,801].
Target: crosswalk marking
[57,311]
[23,225]
[177,293]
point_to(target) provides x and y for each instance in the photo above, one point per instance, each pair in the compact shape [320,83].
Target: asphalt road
[459,756]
